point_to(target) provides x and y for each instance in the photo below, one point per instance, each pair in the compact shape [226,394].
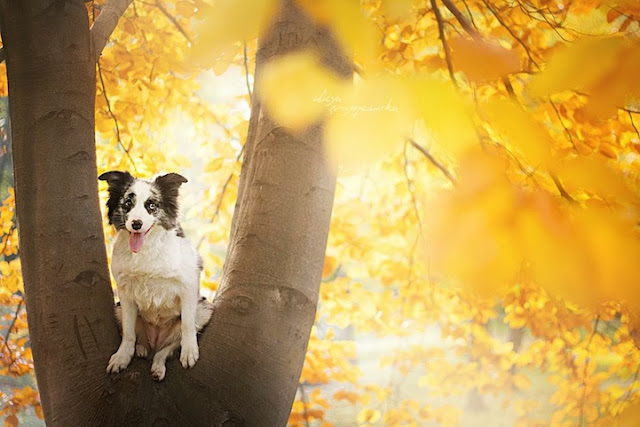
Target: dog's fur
[157,271]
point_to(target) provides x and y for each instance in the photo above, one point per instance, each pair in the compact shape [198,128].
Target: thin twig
[173,20]
[13,323]
[566,129]
[563,192]
[113,116]
[633,123]
[246,74]
[6,241]
[471,30]
[411,191]
[443,40]
[216,212]
[432,159]
[510,31]
[628,393]
[303,396]
[584,371]
[462,19]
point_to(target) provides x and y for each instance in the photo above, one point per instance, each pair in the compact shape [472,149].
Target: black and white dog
[157,271]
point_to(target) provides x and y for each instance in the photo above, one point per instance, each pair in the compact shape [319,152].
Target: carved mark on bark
[76,330]
[78,156]
[93,335]
[244,305]
[88,279]
[291,40]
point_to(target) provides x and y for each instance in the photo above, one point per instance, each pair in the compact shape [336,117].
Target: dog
[157,271]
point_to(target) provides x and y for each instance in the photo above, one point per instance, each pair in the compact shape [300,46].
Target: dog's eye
[127,204]
[152,207]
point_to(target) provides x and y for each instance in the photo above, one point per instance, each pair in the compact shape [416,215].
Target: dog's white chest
[154,277]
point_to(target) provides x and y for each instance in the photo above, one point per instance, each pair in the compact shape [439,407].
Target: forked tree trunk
[253,350]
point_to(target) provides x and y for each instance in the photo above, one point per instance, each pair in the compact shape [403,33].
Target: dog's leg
[121,358]
[189,300]
[142,341]
[170,341]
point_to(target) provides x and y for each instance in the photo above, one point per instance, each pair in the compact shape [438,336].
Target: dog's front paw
[142,351]
[189,354]
[119,360]
[158,370]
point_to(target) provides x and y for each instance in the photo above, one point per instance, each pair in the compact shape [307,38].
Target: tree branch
[173,20]
[584,372]
[476,36]
[432,159]
[113,116]
[246,74]
[510,31]
[13,323]
[563,192]
[105,23]
[443,39]
[462,19]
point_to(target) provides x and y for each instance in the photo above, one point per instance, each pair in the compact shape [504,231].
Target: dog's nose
[136,224]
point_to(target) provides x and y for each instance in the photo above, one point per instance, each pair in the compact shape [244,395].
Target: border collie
[157,271]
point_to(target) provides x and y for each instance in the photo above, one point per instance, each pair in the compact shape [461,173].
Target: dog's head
[136,205]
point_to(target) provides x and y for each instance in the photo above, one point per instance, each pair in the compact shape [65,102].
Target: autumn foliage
[482,256]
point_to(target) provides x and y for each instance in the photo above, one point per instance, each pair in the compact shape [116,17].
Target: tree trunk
[69,301]
[253,350]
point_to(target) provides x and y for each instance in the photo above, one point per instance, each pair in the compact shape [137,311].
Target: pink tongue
[135,241]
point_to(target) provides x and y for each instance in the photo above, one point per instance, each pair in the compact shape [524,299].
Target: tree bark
[51,77]
[253,350]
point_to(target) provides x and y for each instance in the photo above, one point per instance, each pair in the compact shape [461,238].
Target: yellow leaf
[357,35]
[596,176]
[521,381]
[229,21]
[369,122]
[629,417]
[185,9]
[297,90]
[129,27]
[518,129]
[11,421]
[367,416]
[482,60]
[578,66]
[396,9]
[444,114]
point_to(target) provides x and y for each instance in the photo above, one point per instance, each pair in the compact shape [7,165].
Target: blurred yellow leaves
[229,21]
[519,129]
[491,234]
[357,35]
[482,60]
[444,114]
[369,118]
[368,416]
[606,68]
[296,90]
[370,121]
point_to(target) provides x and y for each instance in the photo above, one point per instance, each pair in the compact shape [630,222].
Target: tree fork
[253,350]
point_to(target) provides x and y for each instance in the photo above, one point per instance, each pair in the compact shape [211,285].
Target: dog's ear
[168,185]
[170,180]
[116,179]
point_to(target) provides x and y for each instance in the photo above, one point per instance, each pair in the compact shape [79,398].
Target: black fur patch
[179,231]
[118,182]
[168,186]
